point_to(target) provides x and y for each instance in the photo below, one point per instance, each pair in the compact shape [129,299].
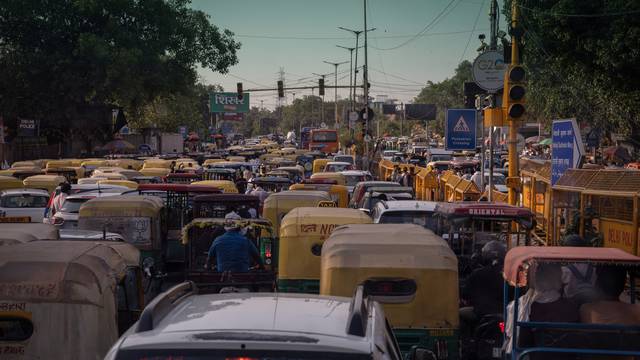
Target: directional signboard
[227,102]
[566,147]
[460,129]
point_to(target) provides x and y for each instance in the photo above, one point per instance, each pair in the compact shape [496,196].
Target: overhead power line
[281,37]
[551,13]
[475,23]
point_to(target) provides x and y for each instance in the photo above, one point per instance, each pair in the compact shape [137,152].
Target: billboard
[420,111]
[227,102]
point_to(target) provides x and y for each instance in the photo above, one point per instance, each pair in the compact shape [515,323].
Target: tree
[56,56]
[581,57]
[447,94]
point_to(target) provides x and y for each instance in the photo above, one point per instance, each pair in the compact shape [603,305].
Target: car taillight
[267,251]
[58,221]
[501,326]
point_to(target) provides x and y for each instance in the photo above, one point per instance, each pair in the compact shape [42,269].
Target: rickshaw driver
[483,288]
[232,251]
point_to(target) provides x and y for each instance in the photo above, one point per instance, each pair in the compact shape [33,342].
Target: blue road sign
[460,129]
[566,147]
[183,131]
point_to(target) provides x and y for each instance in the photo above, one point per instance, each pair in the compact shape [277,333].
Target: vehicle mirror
[420,353]
[316,249]
[365,210]
[390,290]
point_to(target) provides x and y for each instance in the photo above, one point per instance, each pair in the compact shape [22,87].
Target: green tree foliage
[446,94]
[57,55]
[582,58]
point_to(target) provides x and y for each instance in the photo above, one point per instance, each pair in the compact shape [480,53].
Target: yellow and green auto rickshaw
[227,186]
[401,259]
[126,183]
[65,168]
[198,235]
[78,296]
[337,177]
[319,164]
[10,182]
[302,232]
[141,220]
[338,193]
[277,205]
[45,182]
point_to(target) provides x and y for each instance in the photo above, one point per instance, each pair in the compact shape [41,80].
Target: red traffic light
[239,90]
[516,92]
[321,87]
[516,110]
[280,88]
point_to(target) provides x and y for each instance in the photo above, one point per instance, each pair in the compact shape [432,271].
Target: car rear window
[24,201]
[73,205]
[422,218]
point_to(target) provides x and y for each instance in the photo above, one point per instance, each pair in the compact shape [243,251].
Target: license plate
[497,353]
[15,219]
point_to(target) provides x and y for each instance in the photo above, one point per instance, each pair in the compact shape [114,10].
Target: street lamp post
[355,65]
[350,72]
[335,99]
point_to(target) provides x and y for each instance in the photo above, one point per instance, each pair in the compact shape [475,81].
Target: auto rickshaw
[401,259]
[271,184]
[318,165]
[45,182]
[339,178]
[216,173]
[17,233]
[219,205]
[141,220]
[183,178]
[159,172]
[10,182]
[295,173]
[226,185]
[277,205]
[608,325]
[78,296]
[129,173]
[126,183]
[91,164]
[209,162]
[199,234]
[147,179]
[338,193]
[156,164]
[302,232]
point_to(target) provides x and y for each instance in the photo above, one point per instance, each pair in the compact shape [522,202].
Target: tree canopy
[582,58]
[58,55]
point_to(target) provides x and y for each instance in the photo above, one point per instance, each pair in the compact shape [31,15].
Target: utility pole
[493,45]
[355,65]
[335,99]
[350,73]
[513,123]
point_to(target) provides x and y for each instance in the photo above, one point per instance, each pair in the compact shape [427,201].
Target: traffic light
[513,98]
[321,86]
[280,88]
[239,91]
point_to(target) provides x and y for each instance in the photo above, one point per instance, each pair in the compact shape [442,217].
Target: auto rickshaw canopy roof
[244,198]
[179,188]
[291,195]
[520,259]
[44,180]
[294,223]
[60,271]
[122,205]
[387,246]
[226,185]
[10,182]
[35,230]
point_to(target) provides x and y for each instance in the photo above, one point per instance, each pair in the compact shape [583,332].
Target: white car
[344,158]
[24,202]
[337,166]
[353,177]
[186,323]
[388,154]
[405,212]
[67,216]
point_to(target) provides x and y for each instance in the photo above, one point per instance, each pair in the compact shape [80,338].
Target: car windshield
[24,201]
[72,206]
[422,218]
[352,180]
[337,167]
[329,136]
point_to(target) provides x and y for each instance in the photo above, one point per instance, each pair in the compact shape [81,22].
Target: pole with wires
[350,73]
[335,104]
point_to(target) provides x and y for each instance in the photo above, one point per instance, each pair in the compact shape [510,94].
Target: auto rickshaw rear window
[15,328]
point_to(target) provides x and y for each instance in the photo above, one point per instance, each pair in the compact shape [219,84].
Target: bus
[325,140]
[305,137]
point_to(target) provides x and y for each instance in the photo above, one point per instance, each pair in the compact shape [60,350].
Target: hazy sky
[298,35]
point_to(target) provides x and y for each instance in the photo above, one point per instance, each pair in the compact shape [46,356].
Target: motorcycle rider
[232,251]
[483,289]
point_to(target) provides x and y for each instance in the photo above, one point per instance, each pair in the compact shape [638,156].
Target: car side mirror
[367,211]
[421,353]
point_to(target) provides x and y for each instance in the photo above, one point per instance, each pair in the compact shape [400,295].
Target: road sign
[488,71]
[353,116]
[221,102]
[460,129]
[566,147]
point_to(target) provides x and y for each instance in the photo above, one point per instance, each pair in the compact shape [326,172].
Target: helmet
[574,240]
[493,252]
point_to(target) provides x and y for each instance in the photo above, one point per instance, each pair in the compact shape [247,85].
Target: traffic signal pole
[513,123]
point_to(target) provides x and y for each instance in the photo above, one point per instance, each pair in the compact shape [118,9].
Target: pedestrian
[58,200]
